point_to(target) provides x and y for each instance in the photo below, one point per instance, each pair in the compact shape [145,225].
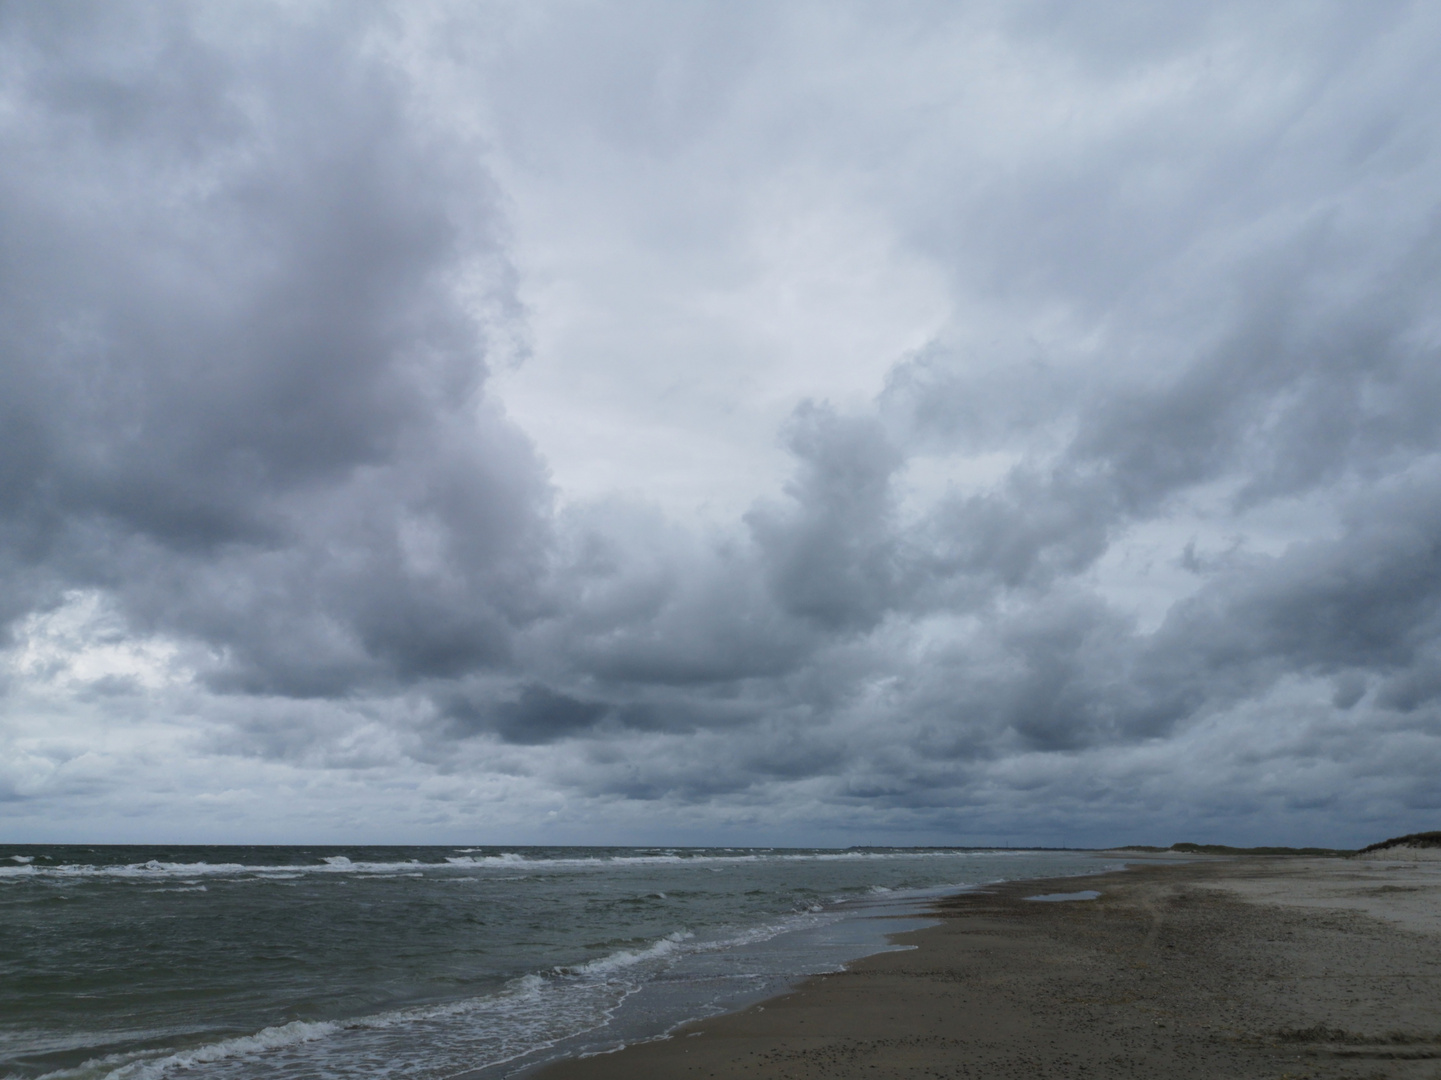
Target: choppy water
[131,963]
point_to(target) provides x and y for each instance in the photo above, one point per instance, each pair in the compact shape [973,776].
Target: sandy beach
[1223,967]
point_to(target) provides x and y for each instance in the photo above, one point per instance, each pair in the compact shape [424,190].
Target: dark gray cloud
[537,715]
[247,396]
[254,281]
[831,552]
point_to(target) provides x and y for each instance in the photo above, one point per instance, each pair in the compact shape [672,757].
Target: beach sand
[1217,968]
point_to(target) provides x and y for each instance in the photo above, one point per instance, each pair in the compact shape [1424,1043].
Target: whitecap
[625,958]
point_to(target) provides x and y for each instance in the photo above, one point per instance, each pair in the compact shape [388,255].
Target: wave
[532,1013]
[528,1016]
[512,859]
[129,1067]
[524,991]
[154,868]
[627,958]
[342,864]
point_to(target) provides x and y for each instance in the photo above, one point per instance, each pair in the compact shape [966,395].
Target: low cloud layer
[363,369]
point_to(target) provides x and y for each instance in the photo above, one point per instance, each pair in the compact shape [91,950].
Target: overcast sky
[830,422]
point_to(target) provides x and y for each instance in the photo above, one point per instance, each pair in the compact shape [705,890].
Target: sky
[741,423]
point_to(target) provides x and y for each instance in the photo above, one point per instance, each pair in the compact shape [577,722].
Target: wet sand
[1219,968]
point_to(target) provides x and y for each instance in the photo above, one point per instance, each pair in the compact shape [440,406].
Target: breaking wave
[341,864]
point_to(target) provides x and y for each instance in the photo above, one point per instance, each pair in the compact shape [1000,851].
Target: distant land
[1226,849]
[1411,840]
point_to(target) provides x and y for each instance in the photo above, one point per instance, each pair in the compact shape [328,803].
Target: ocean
[331,963]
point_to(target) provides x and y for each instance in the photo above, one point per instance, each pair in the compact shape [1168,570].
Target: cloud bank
[802,424]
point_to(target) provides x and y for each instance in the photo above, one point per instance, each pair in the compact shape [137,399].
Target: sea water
[151,963]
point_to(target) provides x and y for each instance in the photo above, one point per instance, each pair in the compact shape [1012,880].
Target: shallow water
[130,963]
[1057,897]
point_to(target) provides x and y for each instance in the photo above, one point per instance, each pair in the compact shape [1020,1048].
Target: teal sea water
[142,963]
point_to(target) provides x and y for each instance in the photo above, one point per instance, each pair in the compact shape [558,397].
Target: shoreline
[760,967]
[1220,966]
[482,963]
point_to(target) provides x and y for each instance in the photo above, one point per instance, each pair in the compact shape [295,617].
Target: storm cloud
[814,423]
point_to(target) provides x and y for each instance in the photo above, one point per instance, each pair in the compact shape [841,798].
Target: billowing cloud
[826,424]
[245,375]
